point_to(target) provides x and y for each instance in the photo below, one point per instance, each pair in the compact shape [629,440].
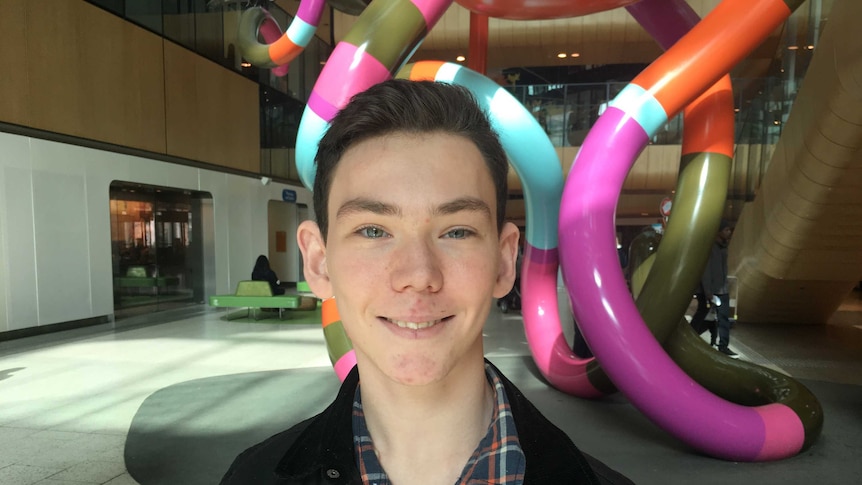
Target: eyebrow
[362,204]
[461,204]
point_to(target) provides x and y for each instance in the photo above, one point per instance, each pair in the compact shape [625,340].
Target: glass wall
[568,111]
[156,247]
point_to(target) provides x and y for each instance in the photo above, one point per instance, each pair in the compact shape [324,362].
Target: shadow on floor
[189,433]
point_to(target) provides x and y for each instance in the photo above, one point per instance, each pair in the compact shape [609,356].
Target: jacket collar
[328,439]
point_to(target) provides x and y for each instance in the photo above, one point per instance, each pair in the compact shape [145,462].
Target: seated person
[412,242]
[262,272]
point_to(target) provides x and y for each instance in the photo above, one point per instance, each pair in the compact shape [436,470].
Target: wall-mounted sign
[288,195]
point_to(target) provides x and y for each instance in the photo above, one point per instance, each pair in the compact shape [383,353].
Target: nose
[417,266]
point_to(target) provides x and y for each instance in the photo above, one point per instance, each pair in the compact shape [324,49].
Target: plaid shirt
[498,460]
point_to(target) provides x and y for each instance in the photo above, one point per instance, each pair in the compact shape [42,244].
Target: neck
[441,422]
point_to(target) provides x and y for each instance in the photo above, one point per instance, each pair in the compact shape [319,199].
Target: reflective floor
[67,399]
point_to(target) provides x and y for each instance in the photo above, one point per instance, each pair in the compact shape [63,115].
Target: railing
[568,111]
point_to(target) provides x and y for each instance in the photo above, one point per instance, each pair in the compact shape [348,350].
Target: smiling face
[413,256]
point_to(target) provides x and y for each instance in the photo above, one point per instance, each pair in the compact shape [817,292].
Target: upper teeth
[414,325]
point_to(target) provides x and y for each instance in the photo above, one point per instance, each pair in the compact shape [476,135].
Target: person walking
[713,293]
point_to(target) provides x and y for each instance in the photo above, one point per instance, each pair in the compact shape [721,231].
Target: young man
[412,243]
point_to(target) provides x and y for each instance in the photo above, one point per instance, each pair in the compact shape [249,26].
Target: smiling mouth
[415,325]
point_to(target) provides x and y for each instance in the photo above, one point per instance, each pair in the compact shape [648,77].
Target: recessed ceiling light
[245,64]
[460,58]
[576,54]
[810,47]
[792,47]
[562,55]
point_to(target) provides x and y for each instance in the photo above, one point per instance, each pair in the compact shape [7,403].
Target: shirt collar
[497,459]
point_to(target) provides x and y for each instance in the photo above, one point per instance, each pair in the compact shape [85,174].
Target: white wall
[286,216]
[55,242]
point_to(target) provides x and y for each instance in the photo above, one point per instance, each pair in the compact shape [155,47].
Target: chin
[414,370]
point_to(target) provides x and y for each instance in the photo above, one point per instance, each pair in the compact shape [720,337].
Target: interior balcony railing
[568,111]
[761,120]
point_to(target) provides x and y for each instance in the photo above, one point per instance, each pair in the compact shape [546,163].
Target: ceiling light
[562,55]
[810,47]
[792,47]
[460,58]
[576,54]
[245,64]
[644,213]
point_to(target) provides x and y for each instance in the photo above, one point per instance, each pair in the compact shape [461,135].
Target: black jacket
[714,280]
[319,450]
[268,275]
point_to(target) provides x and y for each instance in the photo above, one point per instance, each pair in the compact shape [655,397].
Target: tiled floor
[67,399]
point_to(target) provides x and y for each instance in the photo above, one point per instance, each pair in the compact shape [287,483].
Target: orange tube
[283,50]
[425,71]
[710,50]
[709,121]
[329,312]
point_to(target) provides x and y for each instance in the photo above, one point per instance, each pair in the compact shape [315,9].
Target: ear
[508,260]
[314,258]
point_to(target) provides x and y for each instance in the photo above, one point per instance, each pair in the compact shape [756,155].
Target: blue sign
[288,195]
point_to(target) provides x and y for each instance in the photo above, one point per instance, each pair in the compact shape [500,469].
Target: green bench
[136,278]
[253,295]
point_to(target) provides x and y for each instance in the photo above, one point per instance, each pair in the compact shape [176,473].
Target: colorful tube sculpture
[279,49]
[378,44]
[610,321]
[762,422]
[707,152]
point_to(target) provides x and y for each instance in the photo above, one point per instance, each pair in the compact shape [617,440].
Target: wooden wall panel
[656,169]
[639,197]
[797,249]
[212,113]
[92,75]
[14,82]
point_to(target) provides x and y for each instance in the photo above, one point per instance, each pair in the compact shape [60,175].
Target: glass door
[157,261]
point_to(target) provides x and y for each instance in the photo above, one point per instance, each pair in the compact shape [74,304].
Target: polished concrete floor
[67,399]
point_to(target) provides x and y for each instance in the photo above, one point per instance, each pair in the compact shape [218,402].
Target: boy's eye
[458,233]
[372,232]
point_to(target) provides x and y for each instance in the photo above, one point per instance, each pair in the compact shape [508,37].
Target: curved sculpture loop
[643,348]
[279,49]
[600,298]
